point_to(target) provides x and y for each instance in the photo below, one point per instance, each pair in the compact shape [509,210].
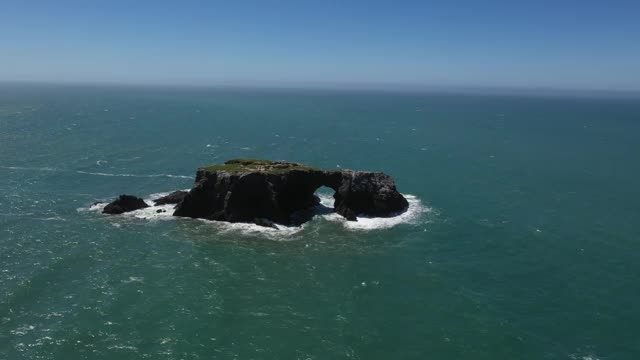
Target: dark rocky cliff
[246,190]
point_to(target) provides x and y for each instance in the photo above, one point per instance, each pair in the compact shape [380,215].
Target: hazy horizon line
[346,86]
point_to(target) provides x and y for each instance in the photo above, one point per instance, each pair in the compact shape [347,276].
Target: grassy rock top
[257,165]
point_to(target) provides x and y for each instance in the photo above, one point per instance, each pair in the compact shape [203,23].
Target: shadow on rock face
[173,198]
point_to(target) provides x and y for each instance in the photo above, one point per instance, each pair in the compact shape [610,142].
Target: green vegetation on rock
[258,165]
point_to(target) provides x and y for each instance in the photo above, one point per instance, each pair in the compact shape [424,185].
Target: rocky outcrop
[274,192]
[123,204]
[249,196]
[261,191]
[367,193]
[173,198]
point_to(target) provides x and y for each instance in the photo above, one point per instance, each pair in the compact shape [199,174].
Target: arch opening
[323,206]
[326,200]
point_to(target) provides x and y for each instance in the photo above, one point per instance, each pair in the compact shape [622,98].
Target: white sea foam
[281,232]
[123,347]
[22,330]
[54,218]
[153,212]
[583,357]
[410,216]
[324,211]
[166,213]
[97,206]
[96,173]
[29,168]
[134,175]
[134,279]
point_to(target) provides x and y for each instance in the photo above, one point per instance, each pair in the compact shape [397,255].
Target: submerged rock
[244,190]
[173,198]
[123,204]
[264,223]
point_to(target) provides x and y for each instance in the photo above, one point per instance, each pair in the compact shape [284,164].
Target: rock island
[266,192]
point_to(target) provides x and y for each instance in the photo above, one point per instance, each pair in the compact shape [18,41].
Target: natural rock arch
[246,190]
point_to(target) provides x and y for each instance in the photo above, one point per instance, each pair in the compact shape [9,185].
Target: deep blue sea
[522,240]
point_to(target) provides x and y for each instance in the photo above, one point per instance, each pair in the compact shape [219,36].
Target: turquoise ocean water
[522,241]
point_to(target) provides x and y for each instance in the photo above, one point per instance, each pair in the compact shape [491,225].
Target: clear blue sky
[525,44]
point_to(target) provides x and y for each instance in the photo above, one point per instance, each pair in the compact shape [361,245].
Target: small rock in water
[124,203]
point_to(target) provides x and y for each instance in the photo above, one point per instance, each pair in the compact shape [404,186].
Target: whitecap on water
[54,218]
[134,279]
